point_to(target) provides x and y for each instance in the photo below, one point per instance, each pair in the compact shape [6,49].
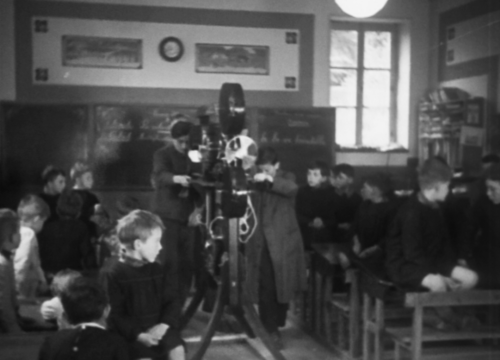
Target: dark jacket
[170,200]
[372,222]
[278,227]
[418,244]
[65,244]
[484,245]
[142,296]
[92,344]
[312,203]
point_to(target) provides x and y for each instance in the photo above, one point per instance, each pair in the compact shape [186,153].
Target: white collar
[90,324]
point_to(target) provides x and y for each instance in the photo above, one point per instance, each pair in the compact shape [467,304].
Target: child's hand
[147,339]
[317,223]
[158,331]
[368,252]
[356,247]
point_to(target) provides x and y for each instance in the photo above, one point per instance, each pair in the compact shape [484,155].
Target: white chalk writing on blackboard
[275,138]
[298,123]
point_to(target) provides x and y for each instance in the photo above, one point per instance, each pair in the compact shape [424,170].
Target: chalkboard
[35,136]
[125,139]
[300,136]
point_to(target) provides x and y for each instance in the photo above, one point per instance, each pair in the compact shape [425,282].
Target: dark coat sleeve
[163,169]
[118,318]
[284,184]
[44,352]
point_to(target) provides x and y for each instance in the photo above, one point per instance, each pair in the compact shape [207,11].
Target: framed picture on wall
[101,52]
[232,59]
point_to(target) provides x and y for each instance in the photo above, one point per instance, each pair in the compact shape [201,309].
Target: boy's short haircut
[61,281]
[50,173]
[32,206]
[267,155]
[69,204]
[381,181]
[490,159]
[78,169]
[345,169]
[137,225]
[493,173]
[432,172]
[83,300]
[320,165]
[9,224]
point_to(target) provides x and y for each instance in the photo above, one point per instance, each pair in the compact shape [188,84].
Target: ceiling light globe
[361,8]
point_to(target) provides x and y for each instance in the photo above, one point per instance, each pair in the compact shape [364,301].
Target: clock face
[171,49]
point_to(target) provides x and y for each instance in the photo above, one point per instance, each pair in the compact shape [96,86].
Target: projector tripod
[231,295]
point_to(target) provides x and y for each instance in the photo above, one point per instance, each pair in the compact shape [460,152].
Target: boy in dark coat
[419,252]
[144,301]
[174,200]
[342,179]
[315,206]
[486,224]
[374,216]
[86,308]
[275,263]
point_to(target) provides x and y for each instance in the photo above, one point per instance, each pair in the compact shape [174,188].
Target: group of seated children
[433,240]
[132,312]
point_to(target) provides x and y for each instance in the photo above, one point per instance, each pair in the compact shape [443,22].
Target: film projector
[222,155]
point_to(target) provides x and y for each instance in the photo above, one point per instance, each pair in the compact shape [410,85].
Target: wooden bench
[413,338]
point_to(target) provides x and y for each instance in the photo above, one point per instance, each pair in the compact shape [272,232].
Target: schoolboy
[83,178]
[342,179]
[315,206]
[9,241]
[143,296]
[174,200]
[374,216]
[86,309]
[485,213]
[419,253]
[275,269]
[66,242]
[54,183]
[30,278]
[52,310]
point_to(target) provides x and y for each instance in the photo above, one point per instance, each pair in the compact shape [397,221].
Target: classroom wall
[413,13]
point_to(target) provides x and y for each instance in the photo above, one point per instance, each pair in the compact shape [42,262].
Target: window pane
[343,87]
[377,49]
[344,48]
[376,125]
[377,88]
[345,127]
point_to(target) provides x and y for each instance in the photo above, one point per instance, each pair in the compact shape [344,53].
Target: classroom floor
[297,344]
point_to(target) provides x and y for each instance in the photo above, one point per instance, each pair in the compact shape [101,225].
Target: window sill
[363,157]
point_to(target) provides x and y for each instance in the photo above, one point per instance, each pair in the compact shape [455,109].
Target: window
[363,69]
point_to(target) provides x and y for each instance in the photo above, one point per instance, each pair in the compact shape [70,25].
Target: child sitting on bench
[419,254]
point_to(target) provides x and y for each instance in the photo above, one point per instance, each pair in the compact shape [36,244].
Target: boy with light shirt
[30,278]
[419,252]
[143,296]
[315,206]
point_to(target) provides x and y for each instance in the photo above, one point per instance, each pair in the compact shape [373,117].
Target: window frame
[362,28]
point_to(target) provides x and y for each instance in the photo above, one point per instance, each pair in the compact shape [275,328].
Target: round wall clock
[171,49]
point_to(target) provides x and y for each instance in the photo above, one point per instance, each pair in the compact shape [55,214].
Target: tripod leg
[212,324]
[239,314]
[254,321]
